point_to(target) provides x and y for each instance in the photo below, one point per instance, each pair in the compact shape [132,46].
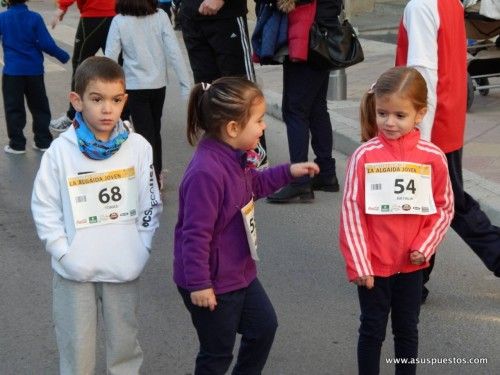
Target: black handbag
[334,47]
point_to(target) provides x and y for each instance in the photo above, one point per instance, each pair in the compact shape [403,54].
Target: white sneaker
[35,147]
[10,150]
[60,124]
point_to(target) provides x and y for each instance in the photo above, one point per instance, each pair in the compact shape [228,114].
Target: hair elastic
[205,86]
[372,87]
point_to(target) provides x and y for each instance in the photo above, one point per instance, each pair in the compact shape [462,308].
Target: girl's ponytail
[368,117]
[194,120]
[212,106]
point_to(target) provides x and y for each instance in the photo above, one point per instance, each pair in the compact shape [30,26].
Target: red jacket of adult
[442,22]
[91,8]
[380,245]
[300,21]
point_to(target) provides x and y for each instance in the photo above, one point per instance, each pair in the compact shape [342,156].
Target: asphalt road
[301,269]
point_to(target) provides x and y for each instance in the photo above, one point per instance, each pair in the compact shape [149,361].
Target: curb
[346,140]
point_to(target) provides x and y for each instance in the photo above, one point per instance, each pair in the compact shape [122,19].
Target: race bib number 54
[104,197]
[398,188]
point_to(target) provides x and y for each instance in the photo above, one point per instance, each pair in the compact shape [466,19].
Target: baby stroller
[482,25]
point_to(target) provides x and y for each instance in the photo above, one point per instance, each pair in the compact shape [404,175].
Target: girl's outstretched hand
[204,298]
[416,258]
[368,281]
[302,169]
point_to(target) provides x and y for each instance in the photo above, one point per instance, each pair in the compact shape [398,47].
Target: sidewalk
[481,159]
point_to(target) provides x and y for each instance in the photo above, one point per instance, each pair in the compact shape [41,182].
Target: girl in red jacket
[396,208]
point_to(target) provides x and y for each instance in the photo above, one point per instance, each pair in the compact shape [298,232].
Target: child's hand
[57,17]
[416,258]
[204,298]
[367,281]
[301,169]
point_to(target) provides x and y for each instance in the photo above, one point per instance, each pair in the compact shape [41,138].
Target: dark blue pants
[246,311]
[470,222]
[400,295]
[14,89]
[305,112]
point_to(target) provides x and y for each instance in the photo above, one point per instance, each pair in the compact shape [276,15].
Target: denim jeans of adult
[14,89]
[305,112]
[399,295]
[247,311]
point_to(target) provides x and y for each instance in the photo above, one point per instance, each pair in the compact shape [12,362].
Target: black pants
[14,89]
[146,107]
[246,311]
[90,36]
[400,296]
[305,112]
[218,48]
[470,222]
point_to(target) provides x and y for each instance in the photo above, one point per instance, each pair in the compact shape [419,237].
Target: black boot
[289,193]
[325,183]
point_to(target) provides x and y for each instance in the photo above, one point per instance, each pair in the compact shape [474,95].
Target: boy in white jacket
[96,206]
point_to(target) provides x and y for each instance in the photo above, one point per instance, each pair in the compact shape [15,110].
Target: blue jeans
[399,295]
[247,311]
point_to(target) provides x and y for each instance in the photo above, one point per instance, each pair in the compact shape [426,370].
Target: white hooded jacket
[115,252]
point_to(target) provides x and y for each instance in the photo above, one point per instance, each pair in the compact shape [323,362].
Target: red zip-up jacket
[380,245]
[91,8]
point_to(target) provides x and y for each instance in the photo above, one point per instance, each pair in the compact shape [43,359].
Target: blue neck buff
[93,148]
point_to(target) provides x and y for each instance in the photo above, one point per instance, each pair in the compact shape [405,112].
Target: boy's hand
[57,17]
[302,169]
[204,298]
[416,258]
[367,281]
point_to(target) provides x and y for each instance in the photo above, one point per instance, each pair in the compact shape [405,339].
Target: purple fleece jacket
[210,246]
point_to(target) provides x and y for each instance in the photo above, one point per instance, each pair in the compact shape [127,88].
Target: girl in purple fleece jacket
[215,235]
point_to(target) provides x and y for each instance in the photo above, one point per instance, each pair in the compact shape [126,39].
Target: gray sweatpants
[75,306]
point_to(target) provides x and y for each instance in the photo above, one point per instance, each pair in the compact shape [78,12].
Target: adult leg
[406,296]
[141,111]
[216,331]
[470,222]
[375,304]
[157,100]
[90,36]
[229,40]
[120,302]
[38,104]
[15,113]
[202,57]
[322,136]
[258,326]
[75,320]
[296,107]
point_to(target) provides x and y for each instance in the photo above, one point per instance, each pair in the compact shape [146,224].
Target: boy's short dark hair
[97,68]
[13,2]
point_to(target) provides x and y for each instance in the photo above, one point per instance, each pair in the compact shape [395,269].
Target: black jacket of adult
[327,12]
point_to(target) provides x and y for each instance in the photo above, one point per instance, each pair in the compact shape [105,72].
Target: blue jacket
[24,38]
[270,34]
[210,246]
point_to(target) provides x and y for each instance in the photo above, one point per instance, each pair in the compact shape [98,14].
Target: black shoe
[290,193]
[325,183]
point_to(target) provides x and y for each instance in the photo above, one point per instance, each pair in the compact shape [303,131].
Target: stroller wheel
[470,92]
[483,82]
